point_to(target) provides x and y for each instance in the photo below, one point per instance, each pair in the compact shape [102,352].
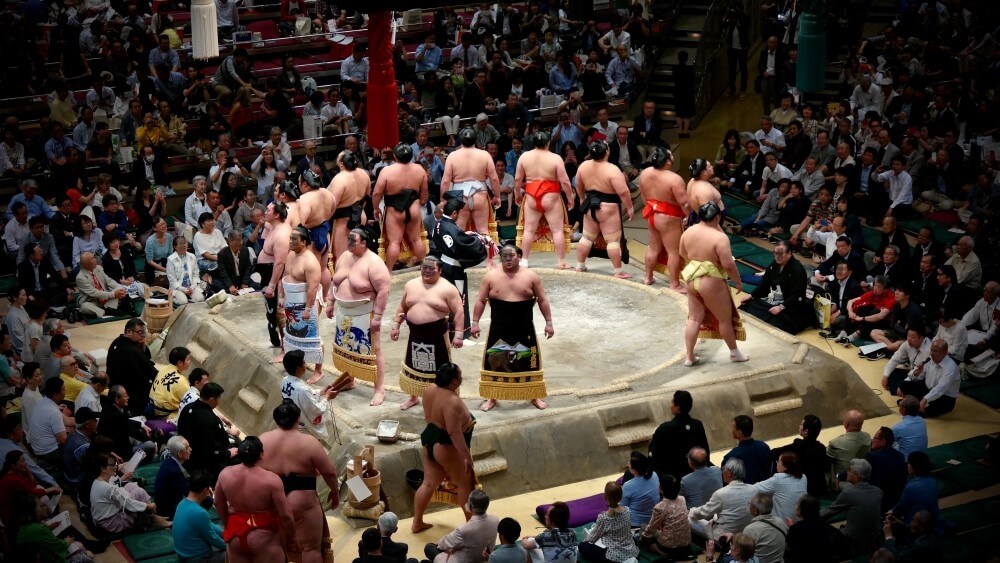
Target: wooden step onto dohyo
[628,426]
[487,455]
[198,353]
[772,394]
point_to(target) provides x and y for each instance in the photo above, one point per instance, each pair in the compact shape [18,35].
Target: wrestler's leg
[379,395]
[531,220]
[671,237]
[457,474]
[393,236]
[413,230]
[555,218]
[433,475]
[591,229]
[339,236]
[324,268]
[262,545]
[696,314]
[308,516]
[481,205]
[464,220]
[653,251]
[611,227]
[715,292]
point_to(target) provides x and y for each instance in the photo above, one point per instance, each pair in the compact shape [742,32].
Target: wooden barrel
[156,316]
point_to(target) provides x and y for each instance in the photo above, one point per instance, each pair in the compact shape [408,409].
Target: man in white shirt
[617,36]
[935,382]
[604,125]
[770,139]
[12,438]
[979,319]
[313,404]
[728,510]
[773,173]
[827,236]
[467,52]
[866,97]
[914,350]
[48,431]
[900,189]
[967,264]
[90,396]
[811,177]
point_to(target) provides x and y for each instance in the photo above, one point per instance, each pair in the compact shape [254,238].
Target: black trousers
[270,304]
[457,276]
[937,407]
[737,58]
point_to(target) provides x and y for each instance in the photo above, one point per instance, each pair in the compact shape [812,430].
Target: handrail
[710,64]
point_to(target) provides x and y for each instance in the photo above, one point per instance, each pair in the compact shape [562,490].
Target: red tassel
[383,128]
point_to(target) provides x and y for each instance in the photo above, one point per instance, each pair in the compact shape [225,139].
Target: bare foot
[488,405]
[317,375]
[623,275]
[418,527]
[377,398]
[679,289]
[648,281]
[737,356]
[539,404]
[409,403]
[277,359]
[562,266]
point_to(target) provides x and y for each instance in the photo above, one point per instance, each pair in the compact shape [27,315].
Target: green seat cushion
[741,211]
[741,249]
[149,545]
[761,259]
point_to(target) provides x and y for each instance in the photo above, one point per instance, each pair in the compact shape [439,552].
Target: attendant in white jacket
[182,274]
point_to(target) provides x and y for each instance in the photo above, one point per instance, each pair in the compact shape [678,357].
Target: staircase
[684,35]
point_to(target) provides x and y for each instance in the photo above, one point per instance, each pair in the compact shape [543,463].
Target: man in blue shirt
[113,219]
[196,537]
[911,430]
[755,455]
[565,131]
[428,55]
[920,493]
[30,198]
[621,71]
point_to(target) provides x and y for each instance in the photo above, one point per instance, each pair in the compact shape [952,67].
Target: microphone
[924,363]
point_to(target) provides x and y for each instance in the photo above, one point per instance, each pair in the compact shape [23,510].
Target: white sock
[524,262]
[618,270]
[580,265]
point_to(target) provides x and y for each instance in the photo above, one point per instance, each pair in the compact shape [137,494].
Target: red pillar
[383,130]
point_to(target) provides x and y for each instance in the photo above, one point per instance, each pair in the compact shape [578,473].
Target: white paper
[871,348]
[983,356]
[954,462]
[957,230]
[358,488]
[246,290]
[133,463]
[976,336]
[62,521]
[140,419]
[51,502]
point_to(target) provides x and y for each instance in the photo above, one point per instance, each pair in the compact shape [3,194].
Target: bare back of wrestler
[706,247]
[302,266]
[602,218]
[297,458]
[470,164]
[400,225]
[242,491]
[666,206]
[427,299]
[538,181]
[700,191]
[359,275]
[315,208]
[348,187]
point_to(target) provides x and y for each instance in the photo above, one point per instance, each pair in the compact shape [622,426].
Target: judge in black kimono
[780,299]
[458,250]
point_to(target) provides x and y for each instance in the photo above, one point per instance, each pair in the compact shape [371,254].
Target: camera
[722,545]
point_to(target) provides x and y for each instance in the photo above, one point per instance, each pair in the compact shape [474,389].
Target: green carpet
[741,211]
[986,390]
[969,475]
[873,237]
[972,515]
[741,249]
[733,239]
[7,283]
[940,231]
[149,545]
[965,451]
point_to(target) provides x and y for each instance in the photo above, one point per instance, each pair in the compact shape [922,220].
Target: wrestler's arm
[455,306]
[519,182]
[377,196]
[398,316]
[326,470]
[425,193]
[581,185]
[454,419]
[446,178]
[567,187]
[381,279]
[280,250]
[221,506]
[480,307]
[728,262]
[543,304]
[312,272]
[681,195]
[491,173]
[621,188]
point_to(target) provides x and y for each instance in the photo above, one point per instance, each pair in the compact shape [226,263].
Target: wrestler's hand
[550,331]
[306,314]
[475,331]
[376,325]
[496,201]
[334,499]
[269,292]
[508,212]
[631,212]
[457,341]
[394,334]
[378,215]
